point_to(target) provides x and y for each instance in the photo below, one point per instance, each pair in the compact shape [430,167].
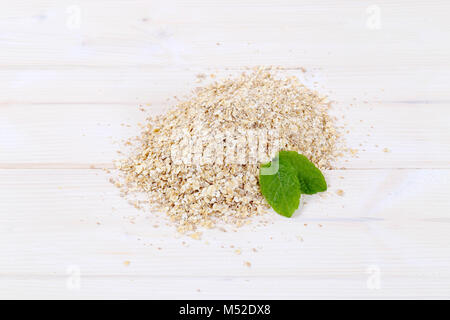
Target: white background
[72,74]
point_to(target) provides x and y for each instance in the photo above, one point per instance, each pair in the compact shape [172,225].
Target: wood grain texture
[99,51]
[73,75]
[81,135]
[225,34]
[233,288]
[141,85]
[76,218]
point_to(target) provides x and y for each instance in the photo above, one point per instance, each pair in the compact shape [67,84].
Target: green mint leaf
[283,180]
[310,177]
[281,189]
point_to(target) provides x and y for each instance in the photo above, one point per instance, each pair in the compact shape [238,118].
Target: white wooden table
[72,72]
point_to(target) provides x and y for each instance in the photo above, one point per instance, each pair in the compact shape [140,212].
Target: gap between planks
[101,166]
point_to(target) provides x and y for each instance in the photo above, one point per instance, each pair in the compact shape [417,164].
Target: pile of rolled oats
[200,161]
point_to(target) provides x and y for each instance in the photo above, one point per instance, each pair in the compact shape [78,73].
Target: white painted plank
[397,218]
[127,85]
[72,136]
[186,33]
[144,51]
[301,287]
[395,221]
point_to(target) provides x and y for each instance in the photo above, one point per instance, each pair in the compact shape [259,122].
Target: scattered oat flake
[201,76]
[126,263]
[340,192]
[196,235]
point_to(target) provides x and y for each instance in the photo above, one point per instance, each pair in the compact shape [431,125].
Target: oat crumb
[196,235]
